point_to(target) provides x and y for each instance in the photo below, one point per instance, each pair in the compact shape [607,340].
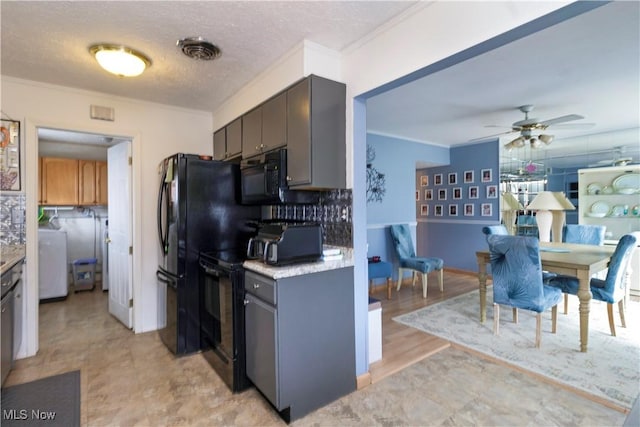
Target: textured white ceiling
[49,41]
[588,65]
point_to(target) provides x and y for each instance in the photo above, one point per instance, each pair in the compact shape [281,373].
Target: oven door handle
[209,270]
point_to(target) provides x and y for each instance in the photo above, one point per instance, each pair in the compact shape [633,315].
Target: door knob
[107,240]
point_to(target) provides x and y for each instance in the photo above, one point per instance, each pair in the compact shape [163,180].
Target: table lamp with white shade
[509,207]
[543,204]
[559,217]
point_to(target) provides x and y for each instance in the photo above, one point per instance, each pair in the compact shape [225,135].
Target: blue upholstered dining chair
[403,246]
[517,280]
[584,234]
[613,288]
[499,229]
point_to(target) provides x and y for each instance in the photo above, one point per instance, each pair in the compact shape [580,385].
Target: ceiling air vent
[199,48]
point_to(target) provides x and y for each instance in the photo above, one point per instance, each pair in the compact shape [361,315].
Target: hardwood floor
[403,346]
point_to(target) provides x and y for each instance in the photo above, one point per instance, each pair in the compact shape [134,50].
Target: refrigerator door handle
[166,277]
[161,233]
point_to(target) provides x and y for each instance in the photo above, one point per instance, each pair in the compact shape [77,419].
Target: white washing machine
[52,264]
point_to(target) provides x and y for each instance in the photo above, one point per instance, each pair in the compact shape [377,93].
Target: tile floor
[132,380]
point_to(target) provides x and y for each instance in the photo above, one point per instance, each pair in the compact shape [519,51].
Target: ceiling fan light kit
[120,60]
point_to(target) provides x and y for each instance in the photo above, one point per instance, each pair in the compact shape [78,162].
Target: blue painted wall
[455,238]
[396,159]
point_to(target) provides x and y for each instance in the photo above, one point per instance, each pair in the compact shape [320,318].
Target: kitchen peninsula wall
[333,212]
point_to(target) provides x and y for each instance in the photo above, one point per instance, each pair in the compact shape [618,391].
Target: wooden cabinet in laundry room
[92,189]
[59,181]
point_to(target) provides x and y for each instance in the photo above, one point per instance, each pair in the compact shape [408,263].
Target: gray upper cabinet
[252,132]
[220,144]
[274,122]
[227,141]
[265,128]
[316,150]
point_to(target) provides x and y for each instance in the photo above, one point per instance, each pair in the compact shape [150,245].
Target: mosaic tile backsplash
[12,210]
[333,212]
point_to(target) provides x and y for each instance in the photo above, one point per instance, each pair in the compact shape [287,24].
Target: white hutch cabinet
[610,196]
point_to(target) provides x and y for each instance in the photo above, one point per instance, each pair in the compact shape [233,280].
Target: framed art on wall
[9,155]
[424,180]
[473,192]
[453,210]
[437,179]
[468,177]
[442,194]
[424,210]
[487,175]
[438,210]
[492,191]
[468,209]
[487,209]
[428,194]
[457,193]
[417,196]
[453,178]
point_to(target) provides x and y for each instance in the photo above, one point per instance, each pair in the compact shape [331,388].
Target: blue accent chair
[403,245]
[583,234]
[500,230]
[613,288]
[517,280]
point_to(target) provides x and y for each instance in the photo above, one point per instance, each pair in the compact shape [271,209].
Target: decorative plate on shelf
[594,188]
[635,211]
[596,214]
[628,181]
[619,210]
[600,208]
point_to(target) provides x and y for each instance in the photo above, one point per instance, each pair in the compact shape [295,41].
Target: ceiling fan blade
[562,119]
[490,136]
[574,126]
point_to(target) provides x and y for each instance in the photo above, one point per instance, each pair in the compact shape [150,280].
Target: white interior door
[120,244]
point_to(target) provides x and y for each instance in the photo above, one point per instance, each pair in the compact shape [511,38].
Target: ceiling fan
[529,126]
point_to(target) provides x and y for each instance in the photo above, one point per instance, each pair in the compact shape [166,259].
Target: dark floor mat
[51,401]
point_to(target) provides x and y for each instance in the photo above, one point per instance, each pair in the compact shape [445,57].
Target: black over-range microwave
[264,181]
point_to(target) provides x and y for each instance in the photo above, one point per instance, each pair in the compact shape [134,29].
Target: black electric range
[222,316]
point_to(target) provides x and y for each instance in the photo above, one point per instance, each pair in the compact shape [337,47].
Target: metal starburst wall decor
[375,179]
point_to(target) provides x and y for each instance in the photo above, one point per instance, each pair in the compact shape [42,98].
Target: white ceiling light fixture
[120,60]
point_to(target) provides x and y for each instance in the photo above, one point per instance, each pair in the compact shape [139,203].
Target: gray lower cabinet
[300,339]
[316,134]
[7,334]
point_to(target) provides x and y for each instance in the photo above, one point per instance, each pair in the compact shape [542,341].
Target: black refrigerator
[198,210]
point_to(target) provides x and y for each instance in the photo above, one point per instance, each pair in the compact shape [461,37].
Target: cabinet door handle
[289,178]
[256,285]
[246,302]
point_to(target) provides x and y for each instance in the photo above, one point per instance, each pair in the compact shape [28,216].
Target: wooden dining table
[581,261]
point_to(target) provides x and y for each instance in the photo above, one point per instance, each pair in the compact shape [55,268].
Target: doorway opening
[76,170]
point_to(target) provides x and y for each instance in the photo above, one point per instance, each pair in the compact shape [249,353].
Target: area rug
[51,401]
[610,369]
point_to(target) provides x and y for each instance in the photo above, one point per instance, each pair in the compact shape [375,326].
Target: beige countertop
[277,272]
[10,255]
